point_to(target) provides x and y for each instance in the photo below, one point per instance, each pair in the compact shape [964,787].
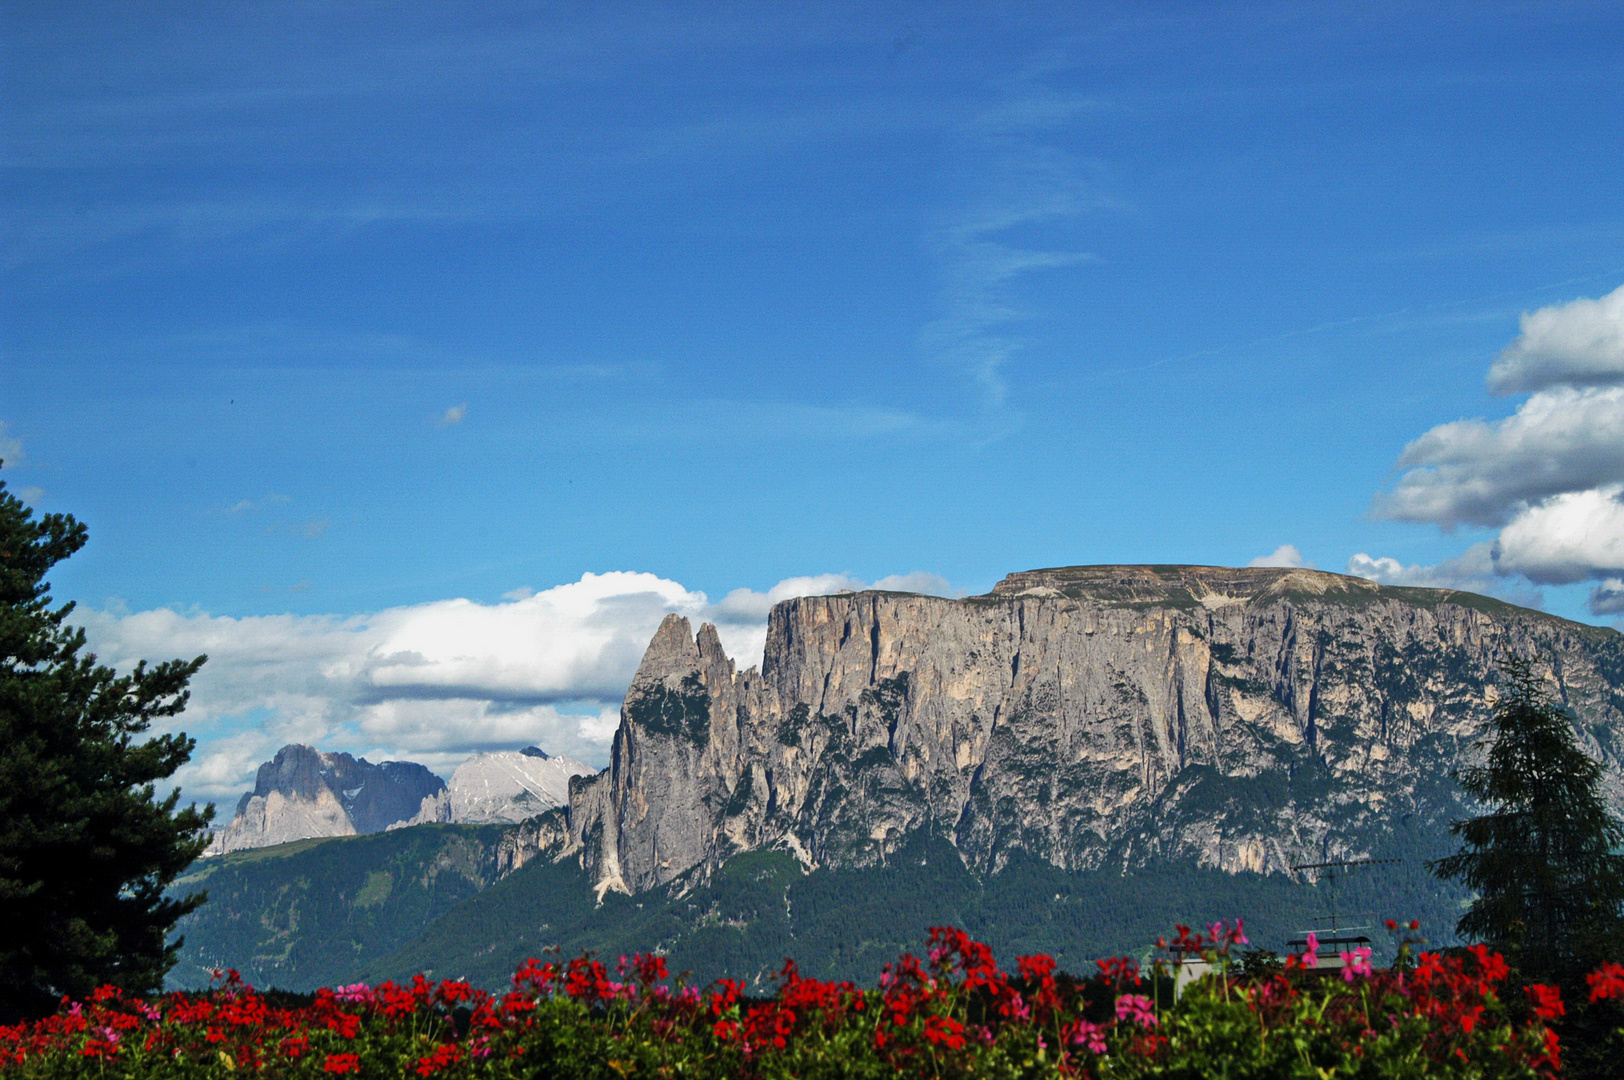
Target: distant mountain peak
[304,792]
[502,786]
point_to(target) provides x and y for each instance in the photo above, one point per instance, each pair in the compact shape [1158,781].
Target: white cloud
[1286,555]
[1550,477]
[425,728]
[580,640]
[1576,344]
[30,495]
[750,605]
[1470,570]
[456,414]
[432,682]
[1479,473]
[1573,537]
[1473,570]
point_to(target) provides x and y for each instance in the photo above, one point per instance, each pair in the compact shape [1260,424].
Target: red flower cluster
[1606,981]
[947,1015]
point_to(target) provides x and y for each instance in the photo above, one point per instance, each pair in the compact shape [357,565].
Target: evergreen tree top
[87,847]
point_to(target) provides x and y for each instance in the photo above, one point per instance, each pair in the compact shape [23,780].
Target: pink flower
[1309,957]
[1356,964]
[356,993]
[1083,1033]
[1138,1008]
[1227,936]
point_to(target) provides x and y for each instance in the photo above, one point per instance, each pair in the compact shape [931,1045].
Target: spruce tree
[87,849]
[1542,858]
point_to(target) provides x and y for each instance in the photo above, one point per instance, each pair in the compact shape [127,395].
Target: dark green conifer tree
[86,848]
[1542,858]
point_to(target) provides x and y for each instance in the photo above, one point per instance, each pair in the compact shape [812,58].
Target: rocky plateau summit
[1091,717]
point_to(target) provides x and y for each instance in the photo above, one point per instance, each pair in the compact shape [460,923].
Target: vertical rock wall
[1245,719]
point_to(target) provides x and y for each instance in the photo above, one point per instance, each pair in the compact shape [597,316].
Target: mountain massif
[1090,717]
[1066,764]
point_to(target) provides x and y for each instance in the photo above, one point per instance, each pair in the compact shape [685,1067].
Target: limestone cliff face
[1089,716]
[303,792]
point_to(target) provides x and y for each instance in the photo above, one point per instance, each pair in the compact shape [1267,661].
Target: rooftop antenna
[1329,872]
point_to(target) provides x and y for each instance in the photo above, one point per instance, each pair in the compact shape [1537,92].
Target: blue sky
[316,313]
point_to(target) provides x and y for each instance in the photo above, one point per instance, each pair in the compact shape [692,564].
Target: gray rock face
[1247,719]
[303,792]
[504,786]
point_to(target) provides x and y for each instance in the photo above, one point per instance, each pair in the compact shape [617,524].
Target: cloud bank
[1472,472]
[1550,477]
[433,682]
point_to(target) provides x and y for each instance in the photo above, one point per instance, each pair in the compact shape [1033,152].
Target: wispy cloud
[453,416]
[774,421]
[1016,182]
[245,506]
[11,447]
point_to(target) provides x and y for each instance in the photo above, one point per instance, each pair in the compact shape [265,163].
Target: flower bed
[954,1013]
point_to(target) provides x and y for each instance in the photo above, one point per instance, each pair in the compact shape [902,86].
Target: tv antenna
[1329,873]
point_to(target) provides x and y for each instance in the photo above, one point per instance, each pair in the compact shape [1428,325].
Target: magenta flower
[1138,1008]
[1310,956]
[1089,1035]
[1356,964]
